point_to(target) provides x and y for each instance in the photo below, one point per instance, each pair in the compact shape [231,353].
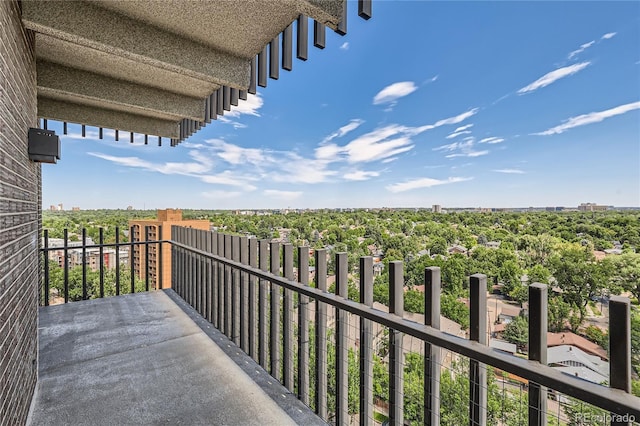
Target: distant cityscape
[435,208]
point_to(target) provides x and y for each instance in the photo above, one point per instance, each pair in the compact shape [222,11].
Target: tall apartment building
[149,229]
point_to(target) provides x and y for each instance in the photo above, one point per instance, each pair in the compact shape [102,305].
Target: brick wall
[20,219]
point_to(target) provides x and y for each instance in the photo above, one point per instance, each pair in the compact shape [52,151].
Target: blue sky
[492,104]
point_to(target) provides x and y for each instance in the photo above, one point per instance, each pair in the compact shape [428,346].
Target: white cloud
[368,148]
[248,107]
[394,91]
[423,183]
[282,195]
[235,154]
[469,153]
[491,140]
[454,146]
[456,134]
[463,128]
[509,171]
[328,152]
[582,48]
[345,46]
[553,76]
[592,117]
[608,36]
[217,195]
[361,175]
[349,127]
[458,118]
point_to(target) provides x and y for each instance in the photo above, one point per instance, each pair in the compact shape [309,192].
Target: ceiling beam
[83,114]
[90,26]
[139,99]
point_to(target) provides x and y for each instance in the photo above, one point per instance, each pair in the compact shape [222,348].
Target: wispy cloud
[608,36]
[383,143]
[423,183]
[456,134]
[251,106]
[582,48]
[248,107]
[361,175]
[394,91]
[592,117]
[349,127]
[469,154]
[201,168]
[492,140]
[553,76]
[282,195]
[509,171]
[345,45]
[463,128]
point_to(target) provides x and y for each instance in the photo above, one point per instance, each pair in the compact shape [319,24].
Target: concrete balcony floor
[148,358]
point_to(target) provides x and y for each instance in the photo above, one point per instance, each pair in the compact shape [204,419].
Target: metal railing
[252,291]
[248,289]
[139,277]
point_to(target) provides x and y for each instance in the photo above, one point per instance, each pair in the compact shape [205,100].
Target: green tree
[509,276]
[538,274]
[625,273]
[579,276]
[456,311]
[558,313]
[517,332]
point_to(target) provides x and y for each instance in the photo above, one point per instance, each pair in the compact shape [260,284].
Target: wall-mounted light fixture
[44,146]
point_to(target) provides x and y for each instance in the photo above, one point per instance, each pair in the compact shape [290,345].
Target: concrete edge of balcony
[149,358]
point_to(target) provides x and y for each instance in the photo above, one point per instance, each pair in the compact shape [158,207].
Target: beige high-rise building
[138,229]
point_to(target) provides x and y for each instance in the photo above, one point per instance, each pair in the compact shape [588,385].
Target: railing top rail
[88,246]
[603,397]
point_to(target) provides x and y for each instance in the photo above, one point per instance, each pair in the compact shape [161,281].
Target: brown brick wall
[20,219]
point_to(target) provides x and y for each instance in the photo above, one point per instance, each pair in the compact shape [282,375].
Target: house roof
[569,338]
[166,68]
[511,311]
[575,362]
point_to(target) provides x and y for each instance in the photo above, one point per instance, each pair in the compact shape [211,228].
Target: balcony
[242,324]
[148,358]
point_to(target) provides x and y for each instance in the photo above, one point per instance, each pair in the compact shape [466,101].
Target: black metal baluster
[287,320]
[66,265]
[253,262]
[396,371]
[101,251]
[274,334]
[538,313]
[342,345]
[84,264]
[262,306]
[321,336]
[478,333]
[159,265]
[146,258]
[132,256]
[366,343]
[235,291]
[303,327]
[244,307]
[46,267]
[432,354]
[117,249]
